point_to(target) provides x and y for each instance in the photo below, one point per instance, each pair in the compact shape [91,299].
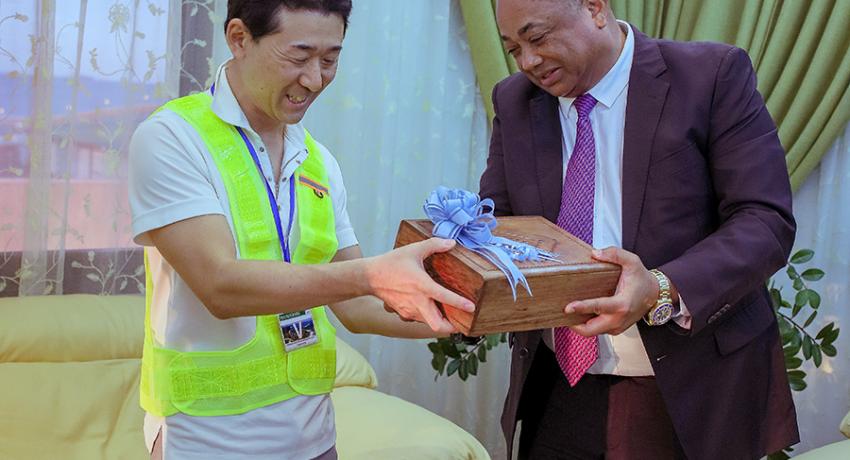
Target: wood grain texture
[553,284]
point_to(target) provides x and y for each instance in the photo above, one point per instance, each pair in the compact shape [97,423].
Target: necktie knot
[584,104]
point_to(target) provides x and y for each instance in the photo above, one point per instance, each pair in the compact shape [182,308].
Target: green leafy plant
[460,354]
[798,344]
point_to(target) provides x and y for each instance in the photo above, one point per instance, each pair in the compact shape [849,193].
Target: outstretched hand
[636,293]
[400,280]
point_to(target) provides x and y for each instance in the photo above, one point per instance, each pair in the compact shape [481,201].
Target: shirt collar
[226,107]
[609,88]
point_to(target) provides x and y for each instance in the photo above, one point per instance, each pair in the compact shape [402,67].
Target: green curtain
[798,49]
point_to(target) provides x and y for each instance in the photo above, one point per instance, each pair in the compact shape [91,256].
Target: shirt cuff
[682,316]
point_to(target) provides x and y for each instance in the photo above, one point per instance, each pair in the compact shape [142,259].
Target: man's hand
[399,279]
[636,293]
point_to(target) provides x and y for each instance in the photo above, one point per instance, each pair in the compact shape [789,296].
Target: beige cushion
[835,451]
[64,328]
[375,426]
[71,410]
[352,369]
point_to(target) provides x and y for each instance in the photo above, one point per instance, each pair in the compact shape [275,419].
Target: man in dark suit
[664,154]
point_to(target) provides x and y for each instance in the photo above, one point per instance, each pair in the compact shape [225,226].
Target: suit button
[523,352]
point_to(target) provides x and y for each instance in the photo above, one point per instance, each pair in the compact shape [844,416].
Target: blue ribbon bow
[460,215]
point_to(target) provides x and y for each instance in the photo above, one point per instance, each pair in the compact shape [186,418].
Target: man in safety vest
[241,211]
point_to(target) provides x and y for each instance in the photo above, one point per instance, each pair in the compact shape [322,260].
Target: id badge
[297,329]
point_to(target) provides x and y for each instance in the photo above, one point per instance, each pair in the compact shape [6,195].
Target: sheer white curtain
[823,221]
[75,79]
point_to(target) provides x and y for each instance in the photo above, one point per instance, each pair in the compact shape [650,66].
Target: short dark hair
[260,16]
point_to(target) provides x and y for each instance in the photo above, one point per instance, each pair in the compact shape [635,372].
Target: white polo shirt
[172,178]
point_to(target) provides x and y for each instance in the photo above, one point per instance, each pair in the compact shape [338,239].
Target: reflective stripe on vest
[259,372]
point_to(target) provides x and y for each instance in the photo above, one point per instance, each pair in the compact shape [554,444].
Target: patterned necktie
[576,353]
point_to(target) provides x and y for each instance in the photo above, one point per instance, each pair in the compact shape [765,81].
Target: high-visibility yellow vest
[259,372]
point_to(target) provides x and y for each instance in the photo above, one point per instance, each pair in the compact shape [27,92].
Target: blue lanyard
[284,239]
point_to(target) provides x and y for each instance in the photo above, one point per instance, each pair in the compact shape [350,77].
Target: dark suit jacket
[707,200]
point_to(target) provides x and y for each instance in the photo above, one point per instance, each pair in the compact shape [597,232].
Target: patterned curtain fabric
[798,49]
[75,80]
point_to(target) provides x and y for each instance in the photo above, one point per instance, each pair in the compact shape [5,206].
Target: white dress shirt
[622,354]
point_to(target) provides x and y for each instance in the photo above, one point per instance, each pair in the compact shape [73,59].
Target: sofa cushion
[836,451]
[372,425]
[63,328]
[352,369]
[71,410]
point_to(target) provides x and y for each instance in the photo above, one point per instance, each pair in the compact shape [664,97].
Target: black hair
[260,16]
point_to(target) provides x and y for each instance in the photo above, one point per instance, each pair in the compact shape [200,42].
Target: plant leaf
[793,363]
[788,351]
[792,272]
[801,299]
[807,347]
[817,357]
[93,276]
[802,256]
[482,354]
[797,385]
[449,348]
[472,362]
[796,375]
[809,321]
[784,328]
[831,337]
[796,343]
[812,274]
[453,367]
[463,370]
[776,297]
[824,331]
[814,299]
[828,350]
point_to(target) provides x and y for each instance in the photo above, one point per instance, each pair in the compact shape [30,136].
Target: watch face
[662,313]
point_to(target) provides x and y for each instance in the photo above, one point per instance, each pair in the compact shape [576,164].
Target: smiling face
[277,77]
[564,46]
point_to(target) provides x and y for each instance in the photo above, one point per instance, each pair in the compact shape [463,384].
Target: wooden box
[553,284]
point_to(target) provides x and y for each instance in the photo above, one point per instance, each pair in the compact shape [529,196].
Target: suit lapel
[646,97]
[546,131]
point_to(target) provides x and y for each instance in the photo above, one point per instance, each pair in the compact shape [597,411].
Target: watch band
[662,311]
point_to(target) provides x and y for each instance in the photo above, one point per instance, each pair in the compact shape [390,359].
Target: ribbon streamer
[463,216]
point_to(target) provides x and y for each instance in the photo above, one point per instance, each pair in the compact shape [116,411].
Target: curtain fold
[491,61]
[798,50]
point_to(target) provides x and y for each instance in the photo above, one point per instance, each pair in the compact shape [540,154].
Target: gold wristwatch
[662,311]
